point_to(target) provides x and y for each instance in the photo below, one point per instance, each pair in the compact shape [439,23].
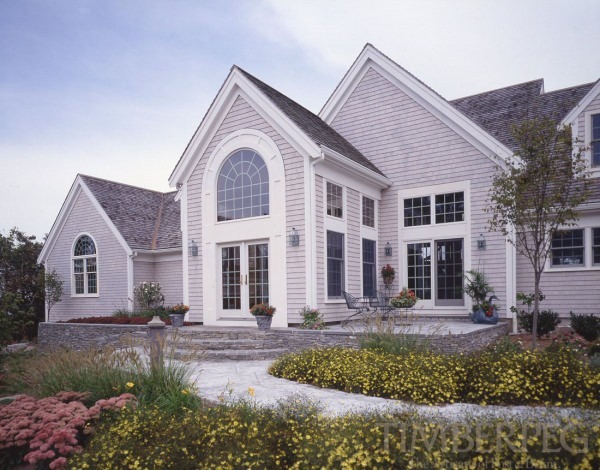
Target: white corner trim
[183,191]
[236,84]
[370,57]
[584,103]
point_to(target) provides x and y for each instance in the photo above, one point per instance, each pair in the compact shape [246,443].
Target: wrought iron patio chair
[358,304]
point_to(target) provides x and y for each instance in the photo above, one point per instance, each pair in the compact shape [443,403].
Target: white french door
[244,278]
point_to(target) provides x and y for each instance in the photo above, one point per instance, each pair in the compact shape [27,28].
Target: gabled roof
[140,219]
[317,129]
[497,111]
[305,131]
[147,219]
[371,58]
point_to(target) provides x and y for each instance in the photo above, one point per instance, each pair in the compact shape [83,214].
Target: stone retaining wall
[84,336]
[81,336]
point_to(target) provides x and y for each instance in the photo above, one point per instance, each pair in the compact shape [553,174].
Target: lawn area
[122,413]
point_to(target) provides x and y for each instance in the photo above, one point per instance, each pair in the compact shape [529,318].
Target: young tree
[537,192]
[54,289]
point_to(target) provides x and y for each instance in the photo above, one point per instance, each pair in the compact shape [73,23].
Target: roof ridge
[158,221]
[124,184]
[498,89]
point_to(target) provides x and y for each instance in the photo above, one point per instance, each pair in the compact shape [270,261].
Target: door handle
[246,279]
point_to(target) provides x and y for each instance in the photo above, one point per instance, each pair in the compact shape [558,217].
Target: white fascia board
[592,206]
[236,85]
[425,96]
[109,223]
[59,223]
[339,160]
[584,103]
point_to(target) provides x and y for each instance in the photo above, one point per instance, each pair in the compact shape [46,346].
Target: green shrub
[312,319]
[547,321]
[587,326]
[557,378]
[296,436]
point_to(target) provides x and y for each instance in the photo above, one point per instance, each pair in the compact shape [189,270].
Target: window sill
[571,269]
[84,296]
[335,301]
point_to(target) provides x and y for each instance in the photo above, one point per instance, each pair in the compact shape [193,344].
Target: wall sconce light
[481,242]
[294,238]
[193,248]
[388,249]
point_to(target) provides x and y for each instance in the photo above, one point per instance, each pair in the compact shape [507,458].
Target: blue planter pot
[479,316]
[176,320]
[264,322]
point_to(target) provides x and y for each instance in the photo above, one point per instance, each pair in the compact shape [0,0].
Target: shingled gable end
[389,172]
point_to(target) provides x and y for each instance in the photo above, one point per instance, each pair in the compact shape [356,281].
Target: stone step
[219,344]
[213,355]
[221,334]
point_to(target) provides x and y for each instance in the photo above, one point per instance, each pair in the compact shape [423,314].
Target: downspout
[130,280]
[311,233]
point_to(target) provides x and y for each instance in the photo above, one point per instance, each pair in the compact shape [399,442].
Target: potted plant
[264,315]
[405,299]
[478,289]
[177,314]
[388,274]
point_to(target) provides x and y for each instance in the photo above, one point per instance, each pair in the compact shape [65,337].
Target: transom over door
[244,278]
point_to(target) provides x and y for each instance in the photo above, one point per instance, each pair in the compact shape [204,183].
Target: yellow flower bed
[297,436]
[523,377]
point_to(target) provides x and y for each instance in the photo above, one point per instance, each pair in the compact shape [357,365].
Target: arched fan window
[85,267]
[243,187]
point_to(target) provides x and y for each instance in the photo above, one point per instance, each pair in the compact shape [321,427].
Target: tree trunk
[536,309]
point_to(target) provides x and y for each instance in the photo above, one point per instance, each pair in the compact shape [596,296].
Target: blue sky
[116,88]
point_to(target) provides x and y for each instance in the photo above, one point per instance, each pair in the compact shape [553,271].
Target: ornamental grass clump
[245,435]
[107,372]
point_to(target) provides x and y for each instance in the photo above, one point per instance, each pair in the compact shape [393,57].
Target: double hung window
[595,142]
[85,267]
[568,248]
[335,200]
[335,265]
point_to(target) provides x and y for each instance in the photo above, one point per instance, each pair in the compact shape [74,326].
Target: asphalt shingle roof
[317,129]
[497,111]
[147,220]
